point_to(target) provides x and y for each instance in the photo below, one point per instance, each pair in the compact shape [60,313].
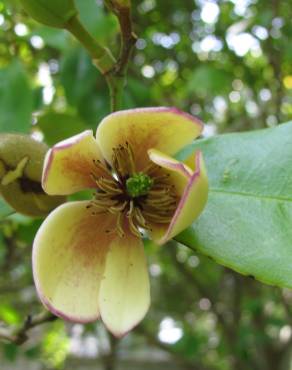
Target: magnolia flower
[88,256]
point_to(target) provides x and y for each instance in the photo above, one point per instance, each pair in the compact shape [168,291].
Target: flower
[88,256]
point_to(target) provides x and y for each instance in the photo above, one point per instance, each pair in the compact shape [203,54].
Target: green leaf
[53,37]
[247,223]
[59,126]
[16,99]
[9,315]
[101,24]
[209,80]
[10,351]
[5,209]
[87,91]
[77,63]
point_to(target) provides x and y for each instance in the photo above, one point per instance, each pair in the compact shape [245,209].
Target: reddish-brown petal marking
[71,165]
[165,129]
[69,255]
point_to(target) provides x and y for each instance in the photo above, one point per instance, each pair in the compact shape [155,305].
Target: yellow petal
[191,186]
[124,293]
[68,261]
[69,164]
[166,129]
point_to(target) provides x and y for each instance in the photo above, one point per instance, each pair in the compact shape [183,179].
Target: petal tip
[56,167]
[64,144]
[162,109]
[159,159]
[50,307]
[122,333]
[196,176]
[189,116]
[66,317]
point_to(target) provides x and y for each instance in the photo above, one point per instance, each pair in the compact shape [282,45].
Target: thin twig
[116,77]
[128,40]
[20,335]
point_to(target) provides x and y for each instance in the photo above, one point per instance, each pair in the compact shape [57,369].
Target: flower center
[138,184]
[137,199]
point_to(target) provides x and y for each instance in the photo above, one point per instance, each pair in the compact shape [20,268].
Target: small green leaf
[247,224]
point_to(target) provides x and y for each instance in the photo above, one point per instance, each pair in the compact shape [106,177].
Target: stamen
[119,208]
[140,218]
[151,169]
[108,186]
[144,198]
[101,166]
[123,161]
[120,230]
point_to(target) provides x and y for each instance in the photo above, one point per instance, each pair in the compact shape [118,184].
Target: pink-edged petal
[124,293]
[166,129]
[69,164]
[191,186]
[69,254]
[179,172]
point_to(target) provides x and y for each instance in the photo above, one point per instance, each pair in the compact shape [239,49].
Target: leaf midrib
[251,195]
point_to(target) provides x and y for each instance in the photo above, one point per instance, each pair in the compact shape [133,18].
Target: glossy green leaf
[16,99]
[247,224]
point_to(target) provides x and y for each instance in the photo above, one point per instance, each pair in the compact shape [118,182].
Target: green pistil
[139,184]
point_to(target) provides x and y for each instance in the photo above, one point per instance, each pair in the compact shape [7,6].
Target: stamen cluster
[156,203]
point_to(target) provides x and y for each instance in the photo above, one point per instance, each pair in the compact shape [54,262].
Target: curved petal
[166,129]
[69,164]
[192,186]
[124,293]
[69,254]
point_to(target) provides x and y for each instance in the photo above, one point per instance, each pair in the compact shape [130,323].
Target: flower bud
[53,13]
[21,164]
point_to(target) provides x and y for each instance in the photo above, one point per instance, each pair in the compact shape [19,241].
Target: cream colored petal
[69,165]
[124,293]
[192,188]
[166,129]
[69,253]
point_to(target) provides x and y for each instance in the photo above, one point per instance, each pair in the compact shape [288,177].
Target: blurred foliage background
[228,62]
